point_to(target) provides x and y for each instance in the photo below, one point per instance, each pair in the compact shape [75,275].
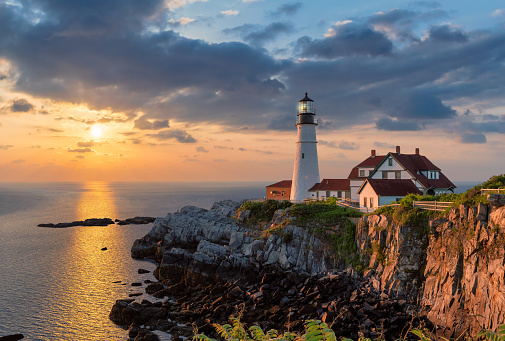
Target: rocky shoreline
[211,266]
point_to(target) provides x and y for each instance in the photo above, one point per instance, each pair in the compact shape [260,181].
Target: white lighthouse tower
[306,170]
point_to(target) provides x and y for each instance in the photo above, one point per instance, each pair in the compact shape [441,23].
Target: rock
[144,335]
[136,284]
[143,271]
[496,200]
[154,287]
[136,221]
[13,337]
[87,222]
[135,294]
[104,249]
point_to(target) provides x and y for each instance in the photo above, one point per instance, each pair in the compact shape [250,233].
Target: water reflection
[87,292]
[97,201]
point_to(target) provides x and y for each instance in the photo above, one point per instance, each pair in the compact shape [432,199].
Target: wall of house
[276,193]
[368,192]
[355,185]
[322,194]
[395,167]
[384,200]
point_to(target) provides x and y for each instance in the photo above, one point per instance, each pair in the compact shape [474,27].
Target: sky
[195,90]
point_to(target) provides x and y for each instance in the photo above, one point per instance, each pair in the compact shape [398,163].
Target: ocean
[57,284]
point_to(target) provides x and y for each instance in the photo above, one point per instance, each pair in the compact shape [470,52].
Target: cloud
[145,124]
[89,143]
[81,150]
[229,12]
[181,22]
[220,160]
[258,34]
[473,138]
[385,145]
[201,149]
[347,39]
[420,105]
[179,135]
[498,13]
[18,161]
[5,146]
[446,33]
[21,105]
[288,9]
[80,157]
[387,123]
[345,145]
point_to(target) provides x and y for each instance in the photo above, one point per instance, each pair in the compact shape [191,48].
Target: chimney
[417,151]
[373,153]
[397,149]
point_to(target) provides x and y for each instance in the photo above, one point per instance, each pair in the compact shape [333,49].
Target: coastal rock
[136,221]
[13,337]
[87,222]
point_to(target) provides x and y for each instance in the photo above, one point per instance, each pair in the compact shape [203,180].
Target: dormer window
[361,172]
[390,161]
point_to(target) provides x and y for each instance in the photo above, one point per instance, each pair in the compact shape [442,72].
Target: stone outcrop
[211,243]
[397,254]
[465,273]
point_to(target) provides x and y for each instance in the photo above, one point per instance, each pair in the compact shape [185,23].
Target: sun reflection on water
[96,201]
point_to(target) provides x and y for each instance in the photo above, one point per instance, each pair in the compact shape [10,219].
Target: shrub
[263,211]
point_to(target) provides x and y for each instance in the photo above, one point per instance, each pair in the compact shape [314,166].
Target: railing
[492,191]
[432,205]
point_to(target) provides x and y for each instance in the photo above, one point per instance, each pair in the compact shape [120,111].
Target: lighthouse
[306,169]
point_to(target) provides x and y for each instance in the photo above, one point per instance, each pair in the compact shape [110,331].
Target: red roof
[415,163]
[281,184]
[332,185]
[371,162]
[392,187]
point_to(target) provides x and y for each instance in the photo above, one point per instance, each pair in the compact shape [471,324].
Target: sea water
[57,284]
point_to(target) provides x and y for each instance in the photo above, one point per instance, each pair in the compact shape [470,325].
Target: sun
[96,131]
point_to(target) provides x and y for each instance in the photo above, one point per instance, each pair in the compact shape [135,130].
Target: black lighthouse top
[306,111]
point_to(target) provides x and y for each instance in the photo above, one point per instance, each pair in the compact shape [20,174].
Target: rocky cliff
[278,274]
[454,265]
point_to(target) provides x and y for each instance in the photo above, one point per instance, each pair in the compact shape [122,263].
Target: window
[371,202]
[398,174]
[362,172]
[370,172]
[339,194]
[384,174]
[364,202]
[390,161]
[283,193]
[327,194]
[303,155]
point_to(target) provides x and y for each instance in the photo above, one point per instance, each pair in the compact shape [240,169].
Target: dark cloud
[257,35]
[288,9]
[388,123]
[80,156]
[385,145]
[21,105]
[347,40]
[81,150]
[5,146]
[419,105]
[89,143]
[177,134]
[201,149]
[145,124]
[18,161]
[473,138]
[446,33]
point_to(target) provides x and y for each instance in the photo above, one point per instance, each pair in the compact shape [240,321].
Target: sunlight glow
[96,131]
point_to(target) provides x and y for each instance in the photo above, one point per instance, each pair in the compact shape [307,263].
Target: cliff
[452,264]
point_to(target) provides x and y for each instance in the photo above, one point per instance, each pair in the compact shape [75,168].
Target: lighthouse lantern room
[306,169]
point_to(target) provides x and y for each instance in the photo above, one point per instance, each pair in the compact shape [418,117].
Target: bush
[264,211]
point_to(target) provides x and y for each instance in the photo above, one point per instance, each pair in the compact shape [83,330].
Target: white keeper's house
[376,181]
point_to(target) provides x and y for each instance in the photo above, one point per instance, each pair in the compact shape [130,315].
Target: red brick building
[279,190]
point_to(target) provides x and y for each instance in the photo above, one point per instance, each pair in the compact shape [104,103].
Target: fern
[498,335]
[317,330]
